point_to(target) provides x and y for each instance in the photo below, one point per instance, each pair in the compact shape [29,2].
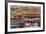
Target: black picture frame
[6,17]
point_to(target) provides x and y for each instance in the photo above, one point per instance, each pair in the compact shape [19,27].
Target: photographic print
[25,17]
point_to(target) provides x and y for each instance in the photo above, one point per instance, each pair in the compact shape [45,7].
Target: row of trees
[20,10]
